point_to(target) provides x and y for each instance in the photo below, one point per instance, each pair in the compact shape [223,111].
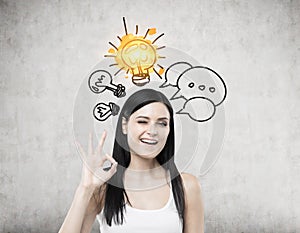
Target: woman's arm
[84,208]
[95,206]
[75,218]
[194,213]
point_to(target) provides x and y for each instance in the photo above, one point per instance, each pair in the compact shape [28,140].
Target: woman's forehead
[153,110]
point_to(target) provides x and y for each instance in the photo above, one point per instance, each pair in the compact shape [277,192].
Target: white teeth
[149,141]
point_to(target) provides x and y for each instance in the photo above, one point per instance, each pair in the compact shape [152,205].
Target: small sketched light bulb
[102,111]
[101,80]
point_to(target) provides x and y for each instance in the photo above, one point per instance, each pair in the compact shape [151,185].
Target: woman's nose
[152,129]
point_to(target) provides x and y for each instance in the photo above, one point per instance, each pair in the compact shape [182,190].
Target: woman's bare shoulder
[194,211]
[191,183]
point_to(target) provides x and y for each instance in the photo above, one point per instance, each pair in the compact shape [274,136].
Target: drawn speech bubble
[198,109]
[173,72]
[200,81]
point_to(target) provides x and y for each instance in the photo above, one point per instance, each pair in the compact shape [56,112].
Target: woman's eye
[142,122]
[163,123]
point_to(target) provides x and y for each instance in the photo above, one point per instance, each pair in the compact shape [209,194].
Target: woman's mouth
[149,141]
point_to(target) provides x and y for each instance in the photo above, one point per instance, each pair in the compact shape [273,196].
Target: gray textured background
[48,47]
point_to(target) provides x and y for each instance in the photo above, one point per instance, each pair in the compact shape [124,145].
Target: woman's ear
[124,125]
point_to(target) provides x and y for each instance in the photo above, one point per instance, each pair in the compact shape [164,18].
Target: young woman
[143,190]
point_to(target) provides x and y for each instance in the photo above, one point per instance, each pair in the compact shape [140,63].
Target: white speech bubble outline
[178,94]
[177,68]
[188,104]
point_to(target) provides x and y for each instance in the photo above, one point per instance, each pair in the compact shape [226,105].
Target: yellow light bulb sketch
[137,55]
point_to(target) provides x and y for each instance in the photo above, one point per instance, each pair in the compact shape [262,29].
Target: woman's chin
[146,154]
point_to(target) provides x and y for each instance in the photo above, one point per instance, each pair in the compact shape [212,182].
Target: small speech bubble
[173,72]
[199,109]
[200,81]
[178,94]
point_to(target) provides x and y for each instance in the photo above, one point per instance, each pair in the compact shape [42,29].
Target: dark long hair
[114,204]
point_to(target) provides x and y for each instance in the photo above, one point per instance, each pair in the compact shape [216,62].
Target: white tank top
[163,220]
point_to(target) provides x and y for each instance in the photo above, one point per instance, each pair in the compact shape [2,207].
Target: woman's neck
[138,163]
[144,174]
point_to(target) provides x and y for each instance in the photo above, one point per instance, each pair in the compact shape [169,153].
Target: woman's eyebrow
[163,118]
[145,117]
[142,117]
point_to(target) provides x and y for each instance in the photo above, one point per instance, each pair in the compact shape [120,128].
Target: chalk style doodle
[102,111]
[136,58]
[101,80]
[202,88]
[172,73]
[198,109]
[137,55]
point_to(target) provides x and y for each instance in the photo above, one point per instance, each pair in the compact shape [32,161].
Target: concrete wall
[47,48]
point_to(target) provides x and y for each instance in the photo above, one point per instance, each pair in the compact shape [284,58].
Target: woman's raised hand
[93,173]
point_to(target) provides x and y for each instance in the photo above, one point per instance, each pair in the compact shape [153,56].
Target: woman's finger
[81,150]
[90,144]
[110,158]
[113,168]
[101,142]
[103,159]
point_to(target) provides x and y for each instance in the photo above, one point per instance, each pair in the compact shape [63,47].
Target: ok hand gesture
[93,173]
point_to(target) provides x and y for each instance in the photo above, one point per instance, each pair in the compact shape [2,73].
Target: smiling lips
[149,141]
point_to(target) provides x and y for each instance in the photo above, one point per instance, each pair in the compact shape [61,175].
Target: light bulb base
[120,91]
[114,108]
[141,79]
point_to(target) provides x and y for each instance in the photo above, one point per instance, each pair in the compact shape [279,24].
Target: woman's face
[147,130]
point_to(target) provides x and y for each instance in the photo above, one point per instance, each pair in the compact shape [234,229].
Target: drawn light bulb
[102,111]
[101,80]
[139,56]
